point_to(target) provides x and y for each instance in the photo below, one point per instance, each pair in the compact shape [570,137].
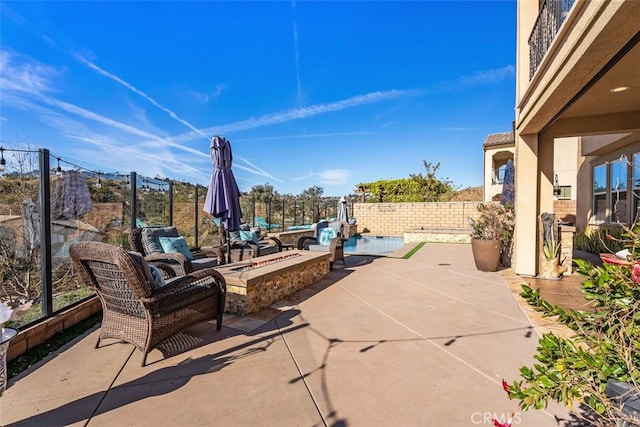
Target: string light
[58,169]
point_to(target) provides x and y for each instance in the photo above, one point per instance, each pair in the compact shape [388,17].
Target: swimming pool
[372,245]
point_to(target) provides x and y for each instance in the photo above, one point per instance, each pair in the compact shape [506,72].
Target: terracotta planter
[486,254]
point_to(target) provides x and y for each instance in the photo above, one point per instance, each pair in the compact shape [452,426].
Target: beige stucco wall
[592,33]
[393,219]
[565,163]
[494,156]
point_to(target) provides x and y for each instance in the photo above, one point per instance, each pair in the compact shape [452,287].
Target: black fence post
[45,234]
[197,237]
[170,202]
[134,200]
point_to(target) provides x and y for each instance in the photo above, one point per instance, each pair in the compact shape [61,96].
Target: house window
[600,193]
[618,183]
[565,192]
[498,175]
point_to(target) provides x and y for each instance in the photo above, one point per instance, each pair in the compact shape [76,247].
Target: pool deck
[382,341]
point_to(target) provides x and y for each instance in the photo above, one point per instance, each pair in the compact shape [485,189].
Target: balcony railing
[552,15]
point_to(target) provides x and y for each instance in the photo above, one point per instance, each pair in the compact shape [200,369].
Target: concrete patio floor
[380,342]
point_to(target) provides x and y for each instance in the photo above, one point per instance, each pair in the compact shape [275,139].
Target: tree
[312,196]
[432,188]
[416,188]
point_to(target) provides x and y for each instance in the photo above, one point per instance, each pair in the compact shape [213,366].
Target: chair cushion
[326,235]
[200,263]
[319,248]
[175,244]
[151,238]
[249,236]
[268,249]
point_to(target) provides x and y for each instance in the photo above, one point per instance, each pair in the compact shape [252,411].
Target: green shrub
[595,241]
[605,344]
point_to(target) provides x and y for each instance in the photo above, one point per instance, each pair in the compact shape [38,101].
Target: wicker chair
[135,309]
[205,258]
[334,245]
[243,250]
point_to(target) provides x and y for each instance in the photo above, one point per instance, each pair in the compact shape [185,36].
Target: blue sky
[308,93]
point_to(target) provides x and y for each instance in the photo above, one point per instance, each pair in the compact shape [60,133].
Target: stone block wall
[265,289]
[565,210]
[393,219]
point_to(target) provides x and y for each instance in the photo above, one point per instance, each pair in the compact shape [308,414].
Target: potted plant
[491,230]
[550,260]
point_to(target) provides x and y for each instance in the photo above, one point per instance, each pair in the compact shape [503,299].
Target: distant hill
[469,194]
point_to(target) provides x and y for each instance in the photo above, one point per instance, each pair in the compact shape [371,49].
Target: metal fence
[47,203]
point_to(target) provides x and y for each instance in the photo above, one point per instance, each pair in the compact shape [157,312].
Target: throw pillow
[158,280]
[146,267]
[326,235]
[249,236]
[151,238]
[176,244]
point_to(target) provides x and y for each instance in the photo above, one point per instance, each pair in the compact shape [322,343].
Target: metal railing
[36,227]
[550,18]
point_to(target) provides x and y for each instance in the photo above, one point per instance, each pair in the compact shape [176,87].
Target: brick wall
[393,219]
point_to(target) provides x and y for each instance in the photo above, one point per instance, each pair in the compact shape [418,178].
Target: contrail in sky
[142,94]
[297,53]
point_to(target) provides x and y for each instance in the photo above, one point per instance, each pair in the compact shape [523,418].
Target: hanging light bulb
[99,183]
[3,162]
[58,169]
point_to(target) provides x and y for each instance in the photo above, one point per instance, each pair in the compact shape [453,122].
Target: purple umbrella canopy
[508,184]
[223,196]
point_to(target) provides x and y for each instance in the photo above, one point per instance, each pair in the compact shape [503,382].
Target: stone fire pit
[258,283]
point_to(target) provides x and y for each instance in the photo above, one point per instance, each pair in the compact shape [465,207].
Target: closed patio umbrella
[71,196]
[223,195]
[343,214]
[508,184]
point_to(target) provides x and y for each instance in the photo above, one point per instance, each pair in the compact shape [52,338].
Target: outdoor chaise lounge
[138,306]
[328,237]
[165,245]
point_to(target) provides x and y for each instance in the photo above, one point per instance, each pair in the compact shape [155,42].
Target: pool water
[372,245]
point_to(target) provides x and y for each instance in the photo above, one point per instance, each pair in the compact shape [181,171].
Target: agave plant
[551,247]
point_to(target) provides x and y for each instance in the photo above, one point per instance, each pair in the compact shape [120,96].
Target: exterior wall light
[556,186]
[619,89]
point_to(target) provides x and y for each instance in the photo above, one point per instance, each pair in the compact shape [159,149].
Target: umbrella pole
[228,246]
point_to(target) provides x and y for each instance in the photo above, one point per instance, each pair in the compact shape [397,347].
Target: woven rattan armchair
[334,244]
[204,258]
[243,250]
[135,308]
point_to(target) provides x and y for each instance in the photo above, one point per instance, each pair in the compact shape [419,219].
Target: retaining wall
[394,219]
